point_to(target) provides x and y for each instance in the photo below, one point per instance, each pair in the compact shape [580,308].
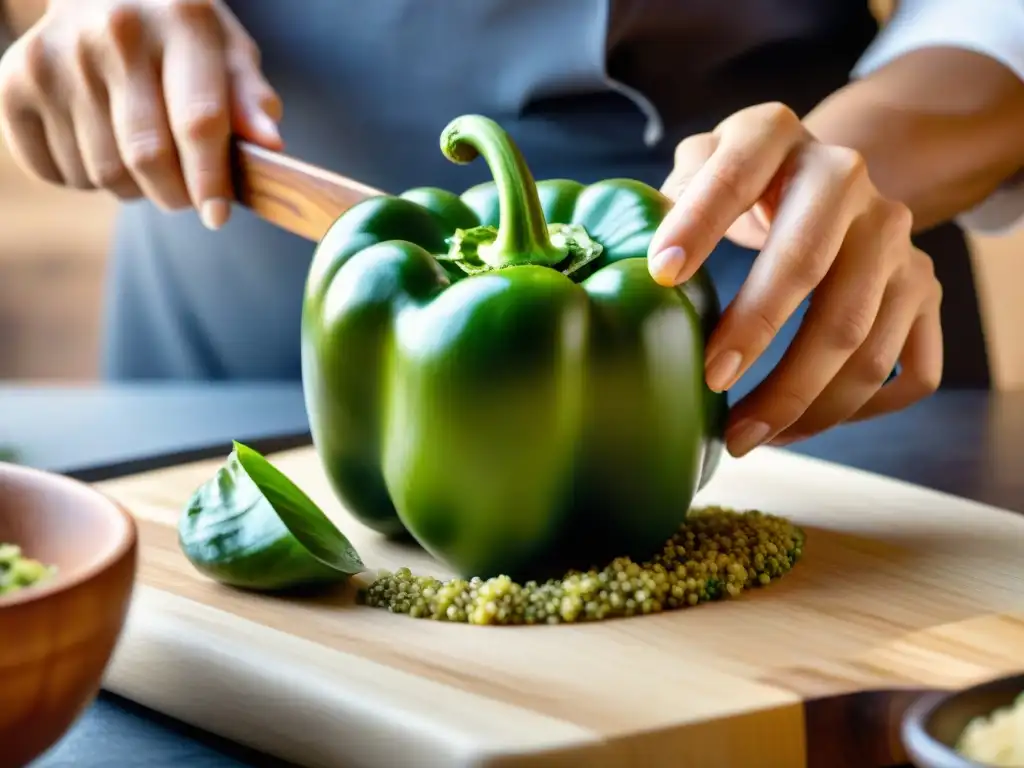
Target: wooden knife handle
[298,197]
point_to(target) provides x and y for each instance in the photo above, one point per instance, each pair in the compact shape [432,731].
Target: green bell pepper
[497,374]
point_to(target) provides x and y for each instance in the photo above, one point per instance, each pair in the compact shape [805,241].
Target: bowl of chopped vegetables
[67,567]
[975,727]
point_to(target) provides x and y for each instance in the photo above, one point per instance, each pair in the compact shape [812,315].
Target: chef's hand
[764,182]
[137,97]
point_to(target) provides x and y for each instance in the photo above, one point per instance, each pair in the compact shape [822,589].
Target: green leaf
[300,514]
[250,526]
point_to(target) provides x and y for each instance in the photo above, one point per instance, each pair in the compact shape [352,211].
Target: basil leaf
[300,514]
[250,526]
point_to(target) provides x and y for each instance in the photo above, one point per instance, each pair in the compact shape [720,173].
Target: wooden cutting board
[900,589]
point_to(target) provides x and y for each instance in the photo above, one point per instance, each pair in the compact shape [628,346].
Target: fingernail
[746,436]
[723,370]
[213,213]
[263,123]
[664,266]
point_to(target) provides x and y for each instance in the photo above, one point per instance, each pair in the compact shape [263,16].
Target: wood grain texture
[900,589]
[296,196]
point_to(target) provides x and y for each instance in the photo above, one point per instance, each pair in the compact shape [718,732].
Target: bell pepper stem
[522,236]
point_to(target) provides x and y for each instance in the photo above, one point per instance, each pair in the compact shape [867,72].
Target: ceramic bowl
[57,638]
[933,724]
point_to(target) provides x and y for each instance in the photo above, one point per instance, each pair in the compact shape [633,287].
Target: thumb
[256,108]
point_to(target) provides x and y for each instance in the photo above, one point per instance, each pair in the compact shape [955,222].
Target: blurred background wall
[52,258]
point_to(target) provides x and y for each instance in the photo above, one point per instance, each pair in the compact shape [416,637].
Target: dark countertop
[965,443]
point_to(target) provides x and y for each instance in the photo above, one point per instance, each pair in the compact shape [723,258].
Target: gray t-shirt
[589,89]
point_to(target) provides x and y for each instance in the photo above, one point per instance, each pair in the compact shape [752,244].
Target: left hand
[762,180]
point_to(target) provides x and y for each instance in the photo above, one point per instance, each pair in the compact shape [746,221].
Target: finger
[23,133]
[868,369]
[752,146]
[750,229]
[841,316]
[195,82]
[25,137]
[50,93]
[23,67]
[63,143]
[256,107]
[143,136]
[94,133]
[690,156]
[811,222]
[921,363]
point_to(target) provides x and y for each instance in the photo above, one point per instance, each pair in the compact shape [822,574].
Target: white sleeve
[994,28]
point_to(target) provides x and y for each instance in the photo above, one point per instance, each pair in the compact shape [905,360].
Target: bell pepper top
[522,236]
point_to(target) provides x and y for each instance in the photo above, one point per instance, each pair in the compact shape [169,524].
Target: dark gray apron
[589,89]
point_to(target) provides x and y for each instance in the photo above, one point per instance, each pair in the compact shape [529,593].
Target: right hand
[139,98]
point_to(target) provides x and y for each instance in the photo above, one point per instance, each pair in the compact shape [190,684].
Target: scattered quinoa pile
[717,553]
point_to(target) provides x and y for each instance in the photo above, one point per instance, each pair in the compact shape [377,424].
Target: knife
[296,196]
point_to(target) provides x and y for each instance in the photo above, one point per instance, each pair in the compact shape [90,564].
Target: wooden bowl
[57,638]
[933,724]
